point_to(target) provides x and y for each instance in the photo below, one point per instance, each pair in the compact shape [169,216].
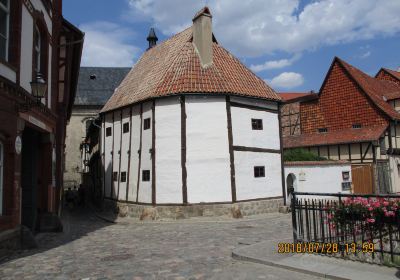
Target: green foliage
[299,154]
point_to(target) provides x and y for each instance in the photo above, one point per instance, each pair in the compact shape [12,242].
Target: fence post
[294,222]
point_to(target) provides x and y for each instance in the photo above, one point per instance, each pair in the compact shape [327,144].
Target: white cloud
[105,45]
[259,27]
[274,64]
[365,55]
[287,80]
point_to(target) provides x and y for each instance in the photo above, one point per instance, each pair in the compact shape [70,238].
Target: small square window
[146,124]
[259,171]
[115,176]
[146,175]
[346,186]
[126,127]
[346,175]
[257,124]
[356,125]
[123,177]
[108,131]
[322,130]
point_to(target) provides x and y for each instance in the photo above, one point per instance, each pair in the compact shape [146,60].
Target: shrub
[299,154]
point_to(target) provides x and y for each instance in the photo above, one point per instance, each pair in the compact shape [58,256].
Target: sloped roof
[289,96]
[98,90]
[343,136]
[173,67]
[395,74]
[378,91]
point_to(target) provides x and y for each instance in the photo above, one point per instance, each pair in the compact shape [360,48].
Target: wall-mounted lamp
[39,87]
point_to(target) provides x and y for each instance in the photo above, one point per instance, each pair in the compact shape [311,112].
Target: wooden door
[362,178]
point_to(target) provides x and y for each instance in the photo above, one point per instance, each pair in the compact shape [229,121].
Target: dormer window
[4,28]
[322,130]
[357,125]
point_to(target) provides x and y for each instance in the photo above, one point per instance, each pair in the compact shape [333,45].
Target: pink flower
[389,214]
[385,203]
[370,209]
[371,221]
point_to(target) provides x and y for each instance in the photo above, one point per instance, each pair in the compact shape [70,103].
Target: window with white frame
[4,28]
[1,177]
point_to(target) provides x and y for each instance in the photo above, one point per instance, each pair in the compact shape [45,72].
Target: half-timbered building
[354,118]
[40,53]
[191,124]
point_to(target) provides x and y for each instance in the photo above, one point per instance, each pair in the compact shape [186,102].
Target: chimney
[202,36]
[152,38]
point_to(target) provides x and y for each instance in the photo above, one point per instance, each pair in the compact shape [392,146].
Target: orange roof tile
[344,136]
[287,96]
[173,67]
[379,91]
[395,74]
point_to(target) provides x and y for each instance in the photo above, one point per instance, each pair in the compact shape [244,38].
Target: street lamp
[39,87]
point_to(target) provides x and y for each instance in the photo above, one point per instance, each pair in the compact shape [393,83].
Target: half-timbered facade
[38,47]
[353,118]
[190,124]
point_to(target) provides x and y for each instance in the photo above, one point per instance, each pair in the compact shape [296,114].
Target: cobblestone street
[90,248]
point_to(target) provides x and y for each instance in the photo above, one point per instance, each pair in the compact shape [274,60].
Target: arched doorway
[291,185]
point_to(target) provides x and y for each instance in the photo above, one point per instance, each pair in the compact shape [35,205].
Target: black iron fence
[364,226]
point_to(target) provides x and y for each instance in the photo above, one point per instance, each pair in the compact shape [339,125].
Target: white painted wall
[26,49]
[394,162]
[255,102]
[38,5]
[124,155]
[318,178]
[208,161]
[249,187]
[168,151]
[116,149]
[244,135]
[108,156]
[145,191]
[133,175]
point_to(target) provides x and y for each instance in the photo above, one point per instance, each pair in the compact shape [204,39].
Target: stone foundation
[235,210]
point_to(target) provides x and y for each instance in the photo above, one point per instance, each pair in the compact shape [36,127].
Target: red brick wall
[382,75]
[341,104]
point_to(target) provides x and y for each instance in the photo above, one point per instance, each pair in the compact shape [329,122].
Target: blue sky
[288,43]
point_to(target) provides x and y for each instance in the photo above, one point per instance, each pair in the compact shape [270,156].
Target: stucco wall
[124,155]
[208,164]
[26,49]
[108,155]
[135,146]
[145,188]
[394,163]
[76,130]
[318,178]
[168,151]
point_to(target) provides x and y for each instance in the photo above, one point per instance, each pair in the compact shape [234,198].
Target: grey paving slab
[316,265]
[90,248]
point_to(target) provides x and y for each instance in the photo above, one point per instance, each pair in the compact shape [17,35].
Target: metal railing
[331,218]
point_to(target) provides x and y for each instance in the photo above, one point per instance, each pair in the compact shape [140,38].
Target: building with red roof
[191,124]
[354,117]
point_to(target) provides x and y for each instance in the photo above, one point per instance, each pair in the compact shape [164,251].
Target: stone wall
[236,210]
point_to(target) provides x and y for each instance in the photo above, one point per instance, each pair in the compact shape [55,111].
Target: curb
[239,257]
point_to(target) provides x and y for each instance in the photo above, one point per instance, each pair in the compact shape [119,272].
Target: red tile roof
[173,67]
[350,135]
[378,91]
[395,74]
[286,96]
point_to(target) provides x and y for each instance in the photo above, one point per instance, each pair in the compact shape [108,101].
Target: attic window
[108,131]
[259,171]
[126,127]
[146,124]
[93,76]
[145,175]
[356,125]
[322,130]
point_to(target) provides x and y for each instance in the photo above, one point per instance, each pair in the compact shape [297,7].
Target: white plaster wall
[208,164]
[244,135]
[108,156]
[394,161]
[133,175]
[124,155]
[8,73]
[116,150]
[249,187]
[168,151]
[26,49]
[145,190]
[322,178]
[255,102]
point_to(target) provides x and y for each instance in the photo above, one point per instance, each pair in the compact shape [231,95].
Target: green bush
[299,154]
